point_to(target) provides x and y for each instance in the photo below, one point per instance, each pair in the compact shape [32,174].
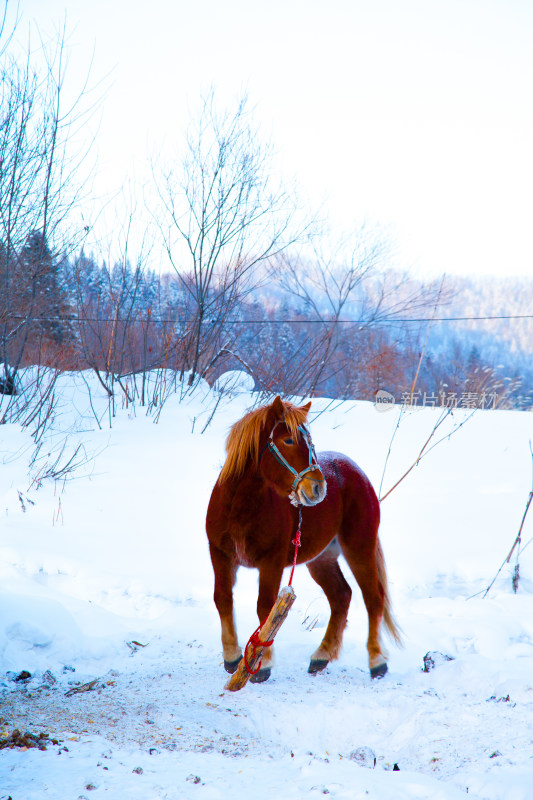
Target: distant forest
[293,331]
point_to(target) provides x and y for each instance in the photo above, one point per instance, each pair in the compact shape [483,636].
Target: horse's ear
[278,408]
[306,408]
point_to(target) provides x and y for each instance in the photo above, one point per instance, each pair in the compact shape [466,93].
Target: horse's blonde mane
[242,444]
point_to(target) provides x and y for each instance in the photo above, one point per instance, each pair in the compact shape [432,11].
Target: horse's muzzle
[310,491]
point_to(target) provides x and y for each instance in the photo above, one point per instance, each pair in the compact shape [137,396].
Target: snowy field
[107,578]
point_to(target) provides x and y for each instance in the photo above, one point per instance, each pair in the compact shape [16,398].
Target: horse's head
[287,459]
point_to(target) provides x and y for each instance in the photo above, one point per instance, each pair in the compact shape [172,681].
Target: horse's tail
[391,625]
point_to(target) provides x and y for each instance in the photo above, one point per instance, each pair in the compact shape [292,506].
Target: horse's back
[340,467]
[350,487]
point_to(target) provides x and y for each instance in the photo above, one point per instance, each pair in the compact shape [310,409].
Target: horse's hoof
[379,671]
[261,676]
[231,666]
[317,665]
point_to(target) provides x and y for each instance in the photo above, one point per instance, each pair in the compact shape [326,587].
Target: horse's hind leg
[326,572]
[361,556]
[225,577]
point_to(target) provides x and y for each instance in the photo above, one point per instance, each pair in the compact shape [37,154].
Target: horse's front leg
[269,583]
[225,576]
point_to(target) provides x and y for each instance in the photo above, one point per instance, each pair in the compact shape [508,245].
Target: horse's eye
[288,441]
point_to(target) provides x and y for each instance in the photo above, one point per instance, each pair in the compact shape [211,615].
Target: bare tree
[324,285]
[38,190]
[222,216]
[126,325]
[349,295]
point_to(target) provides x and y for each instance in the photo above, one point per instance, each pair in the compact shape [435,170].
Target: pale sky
[415,115]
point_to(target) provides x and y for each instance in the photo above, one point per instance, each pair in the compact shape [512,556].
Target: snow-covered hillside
[108,578]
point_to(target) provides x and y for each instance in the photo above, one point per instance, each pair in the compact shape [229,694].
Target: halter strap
[313,463]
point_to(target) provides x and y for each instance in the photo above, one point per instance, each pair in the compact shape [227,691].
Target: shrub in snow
[234,382]
[7,382]
[364,756]
[434,659]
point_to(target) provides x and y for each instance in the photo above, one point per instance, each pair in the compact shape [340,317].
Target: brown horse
[270,468]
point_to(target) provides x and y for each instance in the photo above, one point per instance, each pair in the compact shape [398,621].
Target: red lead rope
[297,542]
[254,639]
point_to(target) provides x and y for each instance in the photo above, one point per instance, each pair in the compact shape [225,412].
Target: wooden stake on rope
[254,652]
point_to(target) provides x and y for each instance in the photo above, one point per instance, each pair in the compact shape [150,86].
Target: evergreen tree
[42,294]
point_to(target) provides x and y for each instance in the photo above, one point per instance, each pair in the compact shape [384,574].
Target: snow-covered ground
[108,577]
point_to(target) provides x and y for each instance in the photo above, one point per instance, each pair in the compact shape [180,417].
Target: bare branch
[221,219]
